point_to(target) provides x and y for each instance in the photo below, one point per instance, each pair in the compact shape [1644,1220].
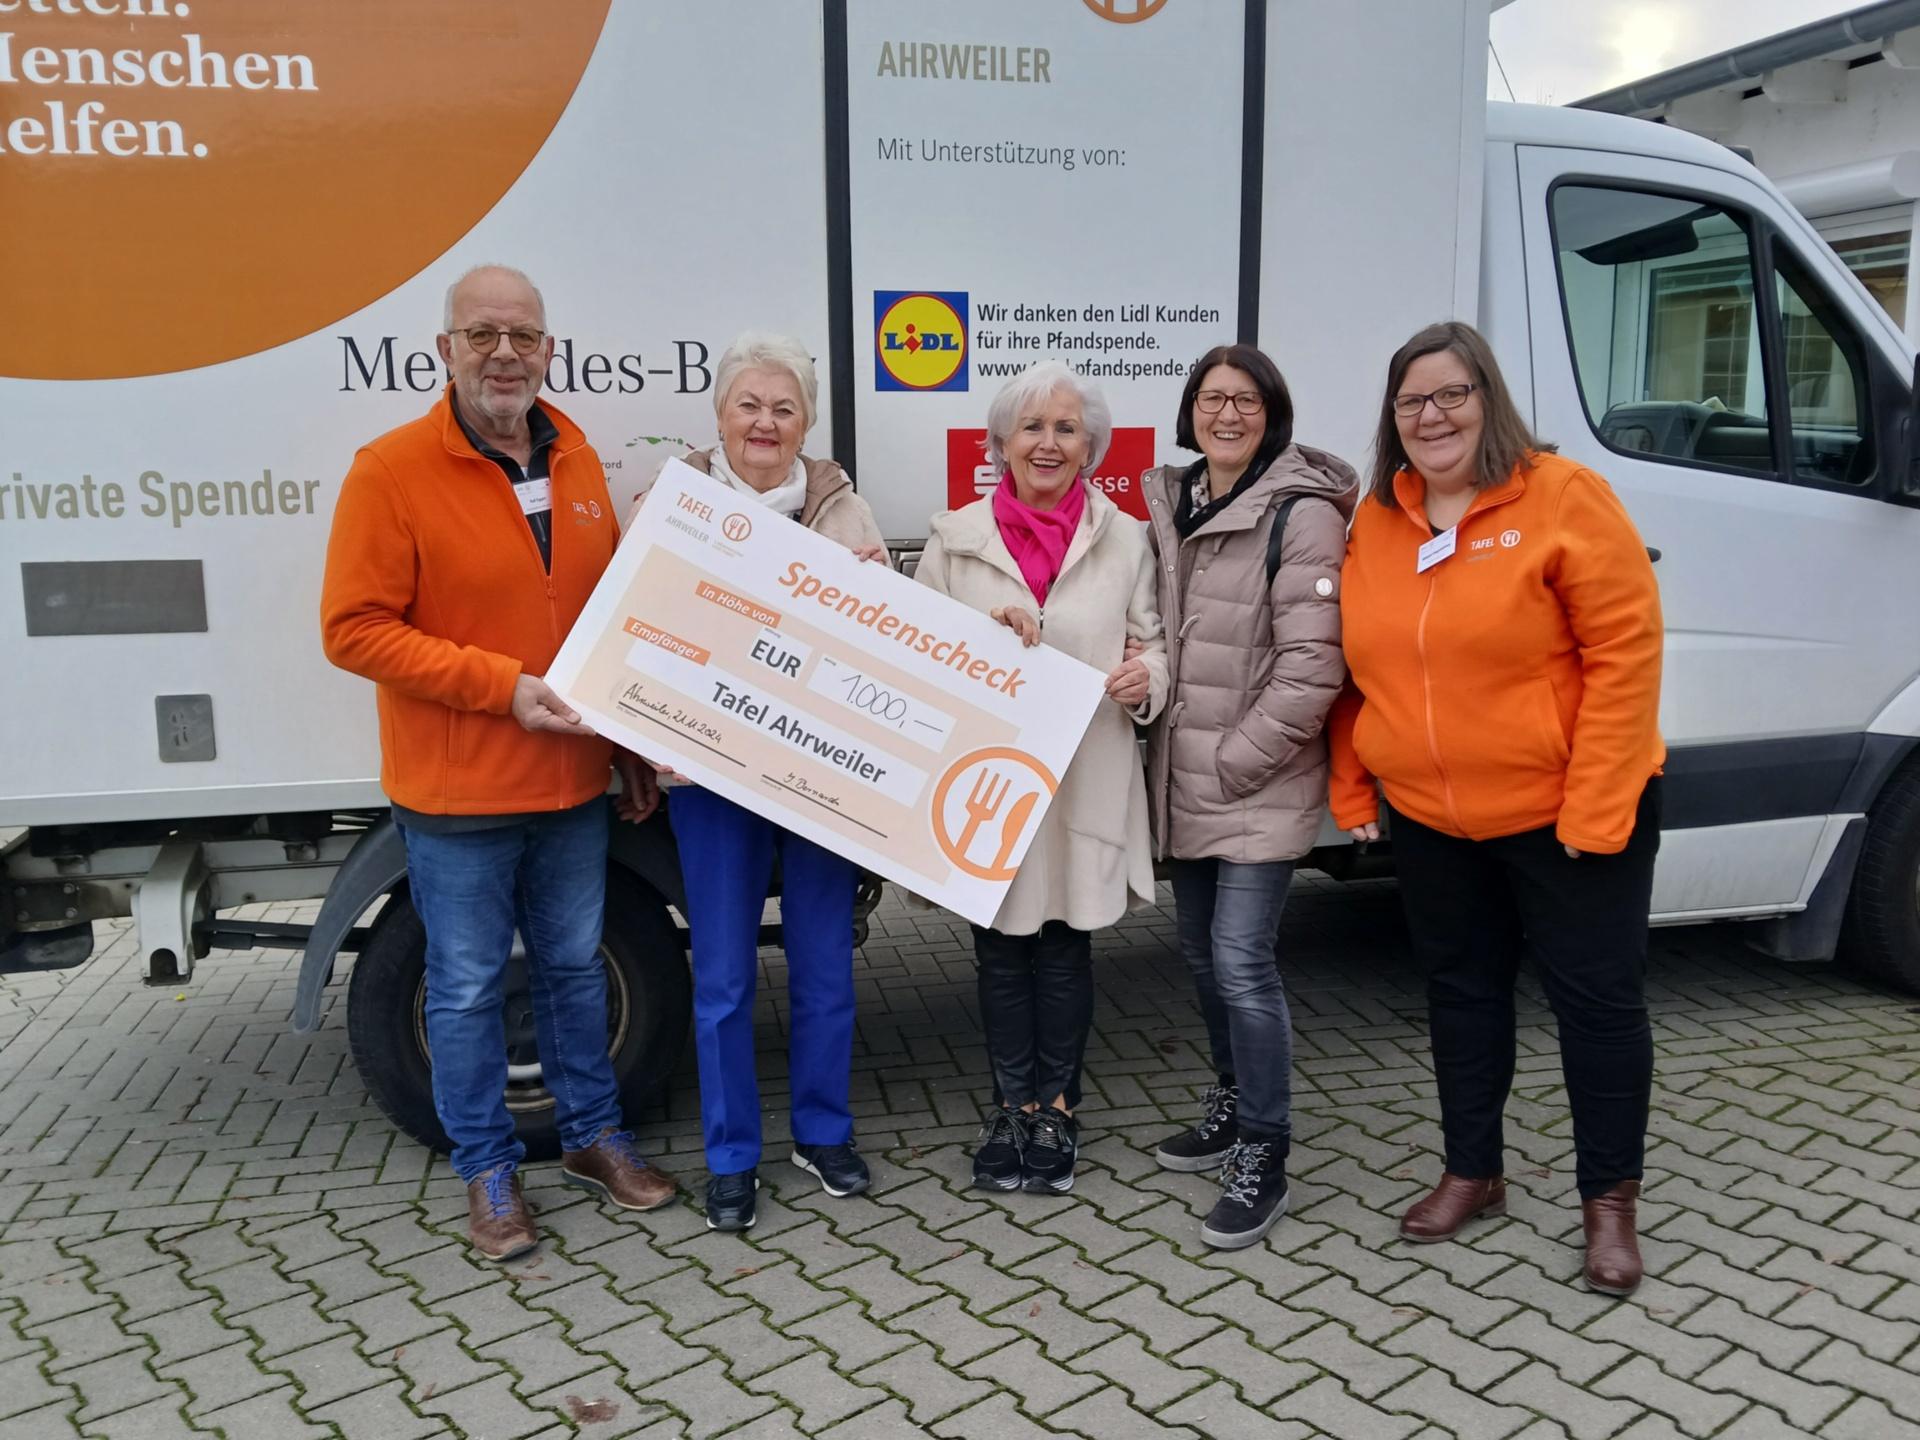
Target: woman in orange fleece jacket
[1502,629]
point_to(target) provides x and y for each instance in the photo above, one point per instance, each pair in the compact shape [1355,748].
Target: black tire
[649,1001]
[1881,933]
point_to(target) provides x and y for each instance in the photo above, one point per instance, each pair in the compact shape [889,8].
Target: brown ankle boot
[1613,1250]
[498,1221]
[1450,1204]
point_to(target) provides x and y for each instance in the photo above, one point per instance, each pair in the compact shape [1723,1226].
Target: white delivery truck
[229,226]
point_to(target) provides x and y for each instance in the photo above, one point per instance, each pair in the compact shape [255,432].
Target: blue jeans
[1227,915]
[726,858]
[548,878]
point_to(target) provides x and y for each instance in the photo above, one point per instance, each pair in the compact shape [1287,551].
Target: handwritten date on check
[835,697]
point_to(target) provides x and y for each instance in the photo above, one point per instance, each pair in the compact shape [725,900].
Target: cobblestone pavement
[205,1228]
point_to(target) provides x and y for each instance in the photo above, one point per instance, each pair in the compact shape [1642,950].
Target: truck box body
[930,195]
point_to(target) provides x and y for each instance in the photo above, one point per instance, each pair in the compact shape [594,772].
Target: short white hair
[763,350]
[446,313]
[1028,391]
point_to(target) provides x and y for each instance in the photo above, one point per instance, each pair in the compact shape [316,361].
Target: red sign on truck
[1129,457]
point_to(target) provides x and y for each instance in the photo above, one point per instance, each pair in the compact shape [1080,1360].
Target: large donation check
[848,703]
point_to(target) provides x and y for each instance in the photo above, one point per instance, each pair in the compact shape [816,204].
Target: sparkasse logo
[1118,476]
[920,340]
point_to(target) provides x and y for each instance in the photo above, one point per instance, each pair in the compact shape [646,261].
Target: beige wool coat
[1237,763]
[832,507]
[1092,859]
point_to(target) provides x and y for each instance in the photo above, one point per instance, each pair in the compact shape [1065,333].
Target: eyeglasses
[1212,402]
[1447,397]
[485,339]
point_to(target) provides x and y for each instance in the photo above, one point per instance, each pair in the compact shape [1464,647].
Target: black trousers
[1473,908]
[1036,1007]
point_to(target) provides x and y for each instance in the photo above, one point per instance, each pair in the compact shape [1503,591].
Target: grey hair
[764,350]
[1032,388]
[446,314]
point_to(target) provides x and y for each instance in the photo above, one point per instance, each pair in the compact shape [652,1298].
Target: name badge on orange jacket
[536,496]
[1436,550]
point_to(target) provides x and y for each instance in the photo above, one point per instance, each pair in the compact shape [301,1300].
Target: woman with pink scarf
[1052,558]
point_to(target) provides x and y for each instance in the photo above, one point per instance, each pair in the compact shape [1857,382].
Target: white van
[1122,182]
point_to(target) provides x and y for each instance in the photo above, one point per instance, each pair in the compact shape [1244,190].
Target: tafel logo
[1118,476]
[736,527]
[919,340]
[982,806]
[1126,12]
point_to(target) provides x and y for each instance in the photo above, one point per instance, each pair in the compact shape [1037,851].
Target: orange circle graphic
[736,527]
[1110,10]
[1005,789]
[280,164]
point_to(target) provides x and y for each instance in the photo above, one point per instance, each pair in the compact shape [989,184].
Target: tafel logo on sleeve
[920,340]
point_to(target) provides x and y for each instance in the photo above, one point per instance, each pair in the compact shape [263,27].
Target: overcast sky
[1558,51]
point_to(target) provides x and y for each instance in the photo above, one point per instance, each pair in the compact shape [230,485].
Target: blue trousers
[1227,914]
[547,877]
[726,857]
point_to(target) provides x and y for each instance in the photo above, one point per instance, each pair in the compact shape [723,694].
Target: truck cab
[1667,318]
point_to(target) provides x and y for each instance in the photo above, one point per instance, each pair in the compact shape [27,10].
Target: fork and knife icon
[984,800]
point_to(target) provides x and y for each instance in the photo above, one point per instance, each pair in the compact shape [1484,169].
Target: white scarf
[789,497]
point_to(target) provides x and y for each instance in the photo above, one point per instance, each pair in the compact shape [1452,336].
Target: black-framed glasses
[1447,397]
[485,339]
[1212,402]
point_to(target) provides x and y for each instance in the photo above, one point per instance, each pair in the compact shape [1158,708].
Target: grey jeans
[1227,915]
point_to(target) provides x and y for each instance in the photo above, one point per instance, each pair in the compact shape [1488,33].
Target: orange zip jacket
[435,591]
[1515,684]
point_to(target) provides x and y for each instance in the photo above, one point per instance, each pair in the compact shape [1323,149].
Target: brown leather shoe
[1450,1204]
[498,1221]
[614,1167]
[1613,1250]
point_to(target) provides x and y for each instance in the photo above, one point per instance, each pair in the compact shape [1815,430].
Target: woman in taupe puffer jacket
[1237,763]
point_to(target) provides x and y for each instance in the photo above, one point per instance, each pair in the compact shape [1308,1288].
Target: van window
[1661,315]
[1826,381]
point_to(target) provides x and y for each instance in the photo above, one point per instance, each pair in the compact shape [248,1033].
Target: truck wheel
[648,1004]
[1881,934]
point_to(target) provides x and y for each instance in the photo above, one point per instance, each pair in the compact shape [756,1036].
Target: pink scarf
[1038,538]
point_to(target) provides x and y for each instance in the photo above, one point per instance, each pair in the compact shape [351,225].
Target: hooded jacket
[1238,761]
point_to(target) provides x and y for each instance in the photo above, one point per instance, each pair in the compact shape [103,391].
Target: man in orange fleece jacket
[464,546]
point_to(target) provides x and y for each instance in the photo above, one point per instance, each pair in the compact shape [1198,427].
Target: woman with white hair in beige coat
[1052,558]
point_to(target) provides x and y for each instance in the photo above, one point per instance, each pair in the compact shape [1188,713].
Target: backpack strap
[1277,535]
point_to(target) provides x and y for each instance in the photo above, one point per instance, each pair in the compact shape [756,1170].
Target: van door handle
[1653,554]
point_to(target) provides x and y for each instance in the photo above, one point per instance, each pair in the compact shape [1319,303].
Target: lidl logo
[919,340]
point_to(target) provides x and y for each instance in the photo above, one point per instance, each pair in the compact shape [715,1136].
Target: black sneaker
[839,1168]
[996,1163]
[1253,1195]
[730,1201]
[1053,1144]
[1206,1145]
